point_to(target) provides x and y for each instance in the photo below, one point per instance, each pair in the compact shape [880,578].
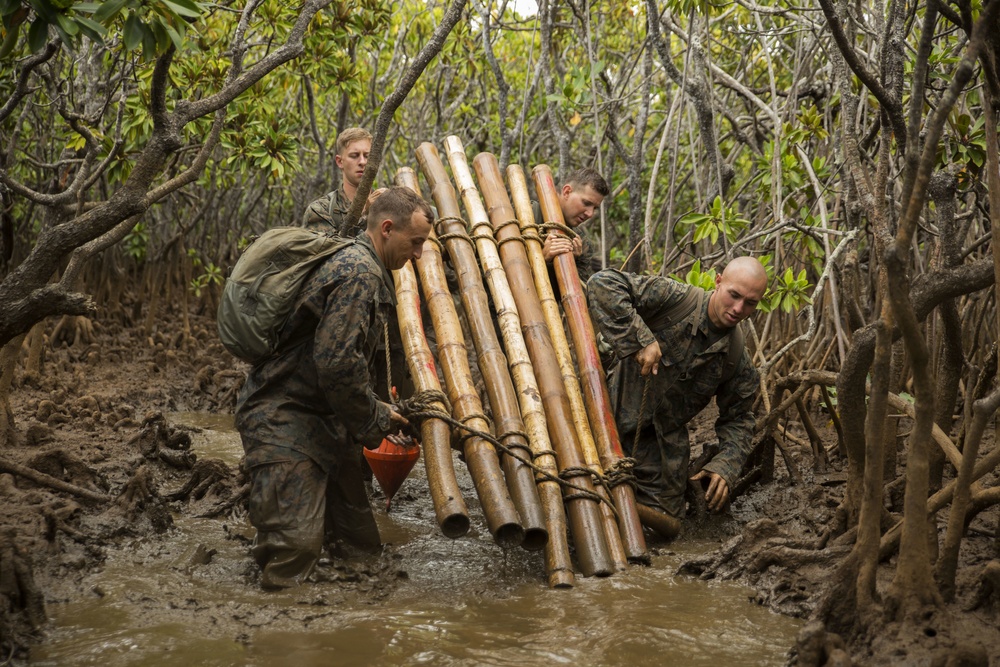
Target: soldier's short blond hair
[349,136]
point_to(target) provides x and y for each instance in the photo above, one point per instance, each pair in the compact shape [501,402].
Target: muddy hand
[717,494]
[648,358]
[407,429]
[401,439]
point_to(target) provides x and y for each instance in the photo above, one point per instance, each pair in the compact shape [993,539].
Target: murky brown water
[464,602]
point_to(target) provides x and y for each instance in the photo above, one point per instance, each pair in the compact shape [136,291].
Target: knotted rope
[423,405]
[551,224]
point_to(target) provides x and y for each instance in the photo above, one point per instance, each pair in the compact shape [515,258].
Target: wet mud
[141,555]
[191,595]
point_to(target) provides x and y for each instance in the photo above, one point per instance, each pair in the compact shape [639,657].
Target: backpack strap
[333,198]
[677,312]
[737,343]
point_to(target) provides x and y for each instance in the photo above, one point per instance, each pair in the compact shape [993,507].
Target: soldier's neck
[349,190]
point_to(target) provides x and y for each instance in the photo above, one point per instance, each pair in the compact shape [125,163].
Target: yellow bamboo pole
[595,390]
[449,506]
[492,362]
[553,317]
[583,508]
[558,563]
[480,456]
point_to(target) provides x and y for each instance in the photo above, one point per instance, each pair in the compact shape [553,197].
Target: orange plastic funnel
[391,463]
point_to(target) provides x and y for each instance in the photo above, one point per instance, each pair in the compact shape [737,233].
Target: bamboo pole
[595,390]
[558,562]
[661,522]
[583,509]
[480,456]
[449,506]
[492,362]
[553,317]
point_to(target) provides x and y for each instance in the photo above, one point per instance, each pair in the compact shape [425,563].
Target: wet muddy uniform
[328,213]
[305,413]
[690,374]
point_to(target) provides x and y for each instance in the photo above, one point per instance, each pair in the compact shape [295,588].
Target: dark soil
[94,419]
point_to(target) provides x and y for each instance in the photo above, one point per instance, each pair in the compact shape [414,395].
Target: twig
[51,482]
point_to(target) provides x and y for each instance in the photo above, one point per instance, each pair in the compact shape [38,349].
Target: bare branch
[892,108]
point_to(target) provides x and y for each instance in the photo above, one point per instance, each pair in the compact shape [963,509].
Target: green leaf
[38,34]
[162,40]
[68,25]
[174,35]
[8,7]
[91,29]
[181,8]
[191,5]
[149,49]
[133,32]
[109,10]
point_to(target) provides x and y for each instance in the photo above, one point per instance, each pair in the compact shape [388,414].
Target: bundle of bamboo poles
[480,456]
[492,362]
[554,437]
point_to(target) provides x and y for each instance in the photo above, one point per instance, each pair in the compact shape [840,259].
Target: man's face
[735,298]
[400,245]
[579,204]
[353,160]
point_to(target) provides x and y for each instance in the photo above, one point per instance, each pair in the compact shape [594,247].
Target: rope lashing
[423,405]
[550,225]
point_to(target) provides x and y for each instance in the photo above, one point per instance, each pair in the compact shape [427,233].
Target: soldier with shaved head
[688,362]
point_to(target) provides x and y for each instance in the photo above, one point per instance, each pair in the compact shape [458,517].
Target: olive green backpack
[260,292]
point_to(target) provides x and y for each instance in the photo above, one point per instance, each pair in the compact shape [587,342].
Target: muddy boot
[282,565]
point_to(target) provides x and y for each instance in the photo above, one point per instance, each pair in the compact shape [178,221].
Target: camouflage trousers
[297,507]
[661,468]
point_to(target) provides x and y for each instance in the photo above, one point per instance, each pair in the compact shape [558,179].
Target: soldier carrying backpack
[308,404]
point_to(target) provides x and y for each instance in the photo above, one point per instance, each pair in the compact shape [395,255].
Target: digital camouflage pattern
[690,374]
[305,413]
[318,391]
[321,217]
[324,217]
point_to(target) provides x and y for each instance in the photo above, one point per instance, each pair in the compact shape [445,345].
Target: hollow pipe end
[509,535]
[455,525]
[535,539]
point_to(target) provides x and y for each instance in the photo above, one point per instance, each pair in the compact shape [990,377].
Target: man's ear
[339,160]
[385,227]
[566,191]
[718,279]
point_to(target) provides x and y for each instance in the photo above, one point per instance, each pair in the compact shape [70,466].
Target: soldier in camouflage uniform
[579,198]
[686,362]
[304,413]
[329,212]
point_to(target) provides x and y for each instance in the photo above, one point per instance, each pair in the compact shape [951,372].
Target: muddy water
[427,601]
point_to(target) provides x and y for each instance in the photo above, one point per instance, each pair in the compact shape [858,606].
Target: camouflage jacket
[691,368]
[329,213]
[315,395]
